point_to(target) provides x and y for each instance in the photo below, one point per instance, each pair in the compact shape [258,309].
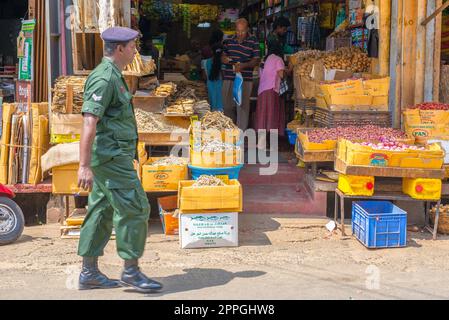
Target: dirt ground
[283,257]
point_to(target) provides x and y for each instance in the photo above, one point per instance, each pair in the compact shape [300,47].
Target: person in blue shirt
[213,72]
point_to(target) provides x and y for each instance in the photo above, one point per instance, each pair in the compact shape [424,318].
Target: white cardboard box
[208,230]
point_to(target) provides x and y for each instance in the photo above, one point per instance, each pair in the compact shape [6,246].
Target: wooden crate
[309,156]
[331,119]
[163,139]
[342,167]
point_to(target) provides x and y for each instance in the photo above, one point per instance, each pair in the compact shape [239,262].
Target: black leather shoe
[92,278]
[133,277]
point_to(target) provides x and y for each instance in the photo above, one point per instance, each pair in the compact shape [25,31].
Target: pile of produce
[355,133]
[217,146]
[60,93]
[165,89]
[303,56]
[140,67]
[169,161]
[153,122]
[390,145]
[431,106]
[208,181]
[353,59]
[217,121]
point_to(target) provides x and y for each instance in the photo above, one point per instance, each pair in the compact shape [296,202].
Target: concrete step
[286,174]
[282,199]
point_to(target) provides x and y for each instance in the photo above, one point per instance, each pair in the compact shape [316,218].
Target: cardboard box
[348,100]
[65,180]
[162,178]
[350,87]
[377,87]
[228,198]
[170,224]
[208,230]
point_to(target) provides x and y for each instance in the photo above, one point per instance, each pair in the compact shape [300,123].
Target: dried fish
[208,181]
[165,89]
[60,93]
[217,146]
[140,67]
[170,161]
[217,121]
[201,108]
[153,122]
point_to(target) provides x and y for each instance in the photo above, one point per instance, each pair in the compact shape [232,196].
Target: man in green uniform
[107,151]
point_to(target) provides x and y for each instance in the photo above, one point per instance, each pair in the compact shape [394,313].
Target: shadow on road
[254,234]
[199,278]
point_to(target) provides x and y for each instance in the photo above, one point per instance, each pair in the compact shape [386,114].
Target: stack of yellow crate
[209,214]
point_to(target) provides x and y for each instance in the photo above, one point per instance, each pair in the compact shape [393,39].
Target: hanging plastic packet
[237,91]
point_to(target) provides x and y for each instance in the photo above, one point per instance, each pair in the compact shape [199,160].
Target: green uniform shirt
[106,96]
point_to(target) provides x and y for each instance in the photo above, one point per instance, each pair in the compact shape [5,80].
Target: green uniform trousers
[117,200]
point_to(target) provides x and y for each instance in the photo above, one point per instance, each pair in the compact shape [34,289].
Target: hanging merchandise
[360,38]
[327,15]
[309,31]
[341,15]
[26,61]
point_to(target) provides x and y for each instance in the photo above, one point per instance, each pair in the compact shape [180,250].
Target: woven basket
[443,222]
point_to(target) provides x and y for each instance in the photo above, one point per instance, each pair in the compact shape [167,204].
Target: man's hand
[237,67]
[225,59]
[85,178]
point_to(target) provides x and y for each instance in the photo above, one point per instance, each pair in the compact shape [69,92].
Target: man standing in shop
[277,38]
[240,54]
[107,151]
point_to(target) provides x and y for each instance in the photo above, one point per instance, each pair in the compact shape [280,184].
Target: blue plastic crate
[231,172]
[379,224]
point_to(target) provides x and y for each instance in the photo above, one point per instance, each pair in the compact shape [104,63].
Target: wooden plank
[317,156]
[420,52]
[342,167]
[430,51]
[395,63]
[437,55]
[69,99]
[437,12]
[163,139]
[409,14]
[384,36]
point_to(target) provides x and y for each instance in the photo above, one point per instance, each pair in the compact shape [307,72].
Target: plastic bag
[237,91]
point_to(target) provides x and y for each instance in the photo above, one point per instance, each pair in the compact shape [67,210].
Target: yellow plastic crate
[356,154]
[162,178]
[228,198]
[307,145]
[422,189]
[215,159]
[356,185]
[65,180]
